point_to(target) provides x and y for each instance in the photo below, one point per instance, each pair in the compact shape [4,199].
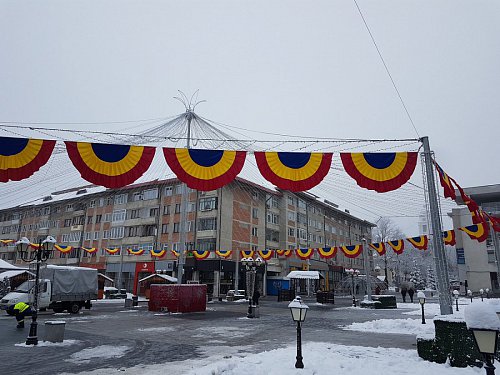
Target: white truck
[60,288]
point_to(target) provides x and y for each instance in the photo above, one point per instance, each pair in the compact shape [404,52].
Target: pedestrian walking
[20,310]
[404,290]
[411,291]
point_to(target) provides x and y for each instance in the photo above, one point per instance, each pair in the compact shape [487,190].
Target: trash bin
[128,302]
[135,301]
[54,330]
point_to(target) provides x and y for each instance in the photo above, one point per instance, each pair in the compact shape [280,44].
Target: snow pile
[102,351]
[481,315]
[395,326]
[48,343]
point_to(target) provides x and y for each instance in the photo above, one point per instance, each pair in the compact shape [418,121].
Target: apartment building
[240,216]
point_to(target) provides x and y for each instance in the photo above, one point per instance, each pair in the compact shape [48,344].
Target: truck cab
[25,293]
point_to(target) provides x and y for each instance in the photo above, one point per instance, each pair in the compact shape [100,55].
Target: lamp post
[481,291]
[421,300]
[353,273]
[40,254]
[487,293]
[455,294]
[484,324]
[251,266]
[299,311]
[469,293]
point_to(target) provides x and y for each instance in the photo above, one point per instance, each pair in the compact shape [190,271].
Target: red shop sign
[145,267]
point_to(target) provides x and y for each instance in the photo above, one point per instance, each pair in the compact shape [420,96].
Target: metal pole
[496,246]
[237,272]
[353,296]
[490,369]
[182,223]
[423,316]
[366,261]
[33,336]
[120,274]
[436,233]
[299,363]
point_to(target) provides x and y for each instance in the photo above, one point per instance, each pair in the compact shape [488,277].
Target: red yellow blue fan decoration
[247,253]
[445,181]
[158,253]
[286,253]
[265,254]
[477,232]
[223,253]
[110,165]
[135,251]
[63,249]
[327,252]
[201,254]
[294,171]
[112,251]
[304,254]
[449,237]
[397,245]
[380,171]
[204,169]
[352,251]
[89,250]
[21,157]
[379,247]
[419,242]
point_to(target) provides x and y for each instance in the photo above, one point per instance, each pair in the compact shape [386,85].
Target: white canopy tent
[7,266]
[314,275]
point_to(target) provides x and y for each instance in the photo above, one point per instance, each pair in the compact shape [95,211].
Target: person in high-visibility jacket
[20,310]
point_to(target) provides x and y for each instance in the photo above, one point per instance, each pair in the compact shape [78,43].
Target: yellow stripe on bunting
[419,242]
[477,232]
[265,254]
[89,250]
[449,237]
[6,242]
[379,247]
[380,171]
[304,254]
[204,169]
[445,181]
[201,254]
[224,253]
[247,253]
[352,251]
[327,252]
[21,157]
[397,245]
[294,171]
[135,251]
[63,249]
[286,253]
[158,253]
[176,253]
[110,165]
[112,251]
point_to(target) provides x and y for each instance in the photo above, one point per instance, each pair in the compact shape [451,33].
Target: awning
[7,266]
[166,277]
[106,277]
[9,274]
[304,275]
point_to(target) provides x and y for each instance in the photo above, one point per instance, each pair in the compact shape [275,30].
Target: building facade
[240,216]
[477,262]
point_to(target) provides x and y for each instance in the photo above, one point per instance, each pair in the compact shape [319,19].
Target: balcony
[75,228]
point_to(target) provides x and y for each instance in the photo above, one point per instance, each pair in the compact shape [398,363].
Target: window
[108,217]
[177,208]
[79,220]
[149,230]
[88,236]
[116,232]
[189,226]
[255,195]
[175,246]
[75,236]
[273,218]
[178,189]
[164,228]
[208,204]
[254,231]
[206,244]
[168,191]
[67,222]
[153,212]
[273,235]
[176,227]
[291,232]
[96,235]
[109,201]
[121,198]
[255,213]
[291,215]
[135,231]
[119,215]
[290,200]
[105,234]
[254,247]
[137,196]
[209,223]
[301,218]
[150,194]
[302,234]
[302,204]
[134,214]
[89,219]
[101,202]
[69,207]
[191,207]
[166,210]
[92,203]
[57,209]
[46,211]
[98,219]
[65,237]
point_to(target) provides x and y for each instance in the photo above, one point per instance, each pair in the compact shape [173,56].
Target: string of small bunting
[476,232]
[116,165]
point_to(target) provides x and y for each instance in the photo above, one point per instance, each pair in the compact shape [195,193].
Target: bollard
[128,302]
[54,330]
[135,301]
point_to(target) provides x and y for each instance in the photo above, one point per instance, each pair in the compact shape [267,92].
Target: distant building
[239,216]
[477,267]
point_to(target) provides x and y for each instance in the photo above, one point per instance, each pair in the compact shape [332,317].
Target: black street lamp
[421,300]
[353,273]
[40,254]
[455,294]
[481,291]
[485,326]
[251,266]
[469,293]
[299,311]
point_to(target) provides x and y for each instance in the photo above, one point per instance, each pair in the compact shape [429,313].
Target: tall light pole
[251,266]
[353,273]
[366,258]
[40,254]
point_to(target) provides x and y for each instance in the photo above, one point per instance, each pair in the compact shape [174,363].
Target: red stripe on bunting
[397,246]
[419,242]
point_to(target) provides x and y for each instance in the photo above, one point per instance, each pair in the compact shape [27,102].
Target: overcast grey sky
[294,67]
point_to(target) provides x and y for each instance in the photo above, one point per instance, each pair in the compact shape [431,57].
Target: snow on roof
[7,266]
[481,316]
[53,266]
[9,274]
[106,277]
[304,275]
[76,193]
[166,277]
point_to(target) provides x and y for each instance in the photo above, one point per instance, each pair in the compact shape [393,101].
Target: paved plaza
[153,338]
